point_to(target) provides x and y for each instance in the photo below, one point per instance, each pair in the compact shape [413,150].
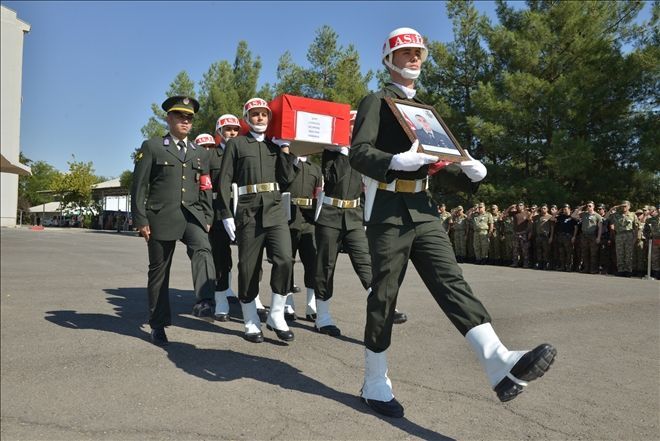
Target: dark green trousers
[302,242]
[220,244]
[426,244]
[252,238]
[328,242]
[160,261]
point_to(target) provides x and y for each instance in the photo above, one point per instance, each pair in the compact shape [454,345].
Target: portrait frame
[413,116]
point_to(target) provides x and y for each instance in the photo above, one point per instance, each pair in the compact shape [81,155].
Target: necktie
[182,150]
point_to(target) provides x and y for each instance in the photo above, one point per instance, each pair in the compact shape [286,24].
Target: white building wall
[11,65]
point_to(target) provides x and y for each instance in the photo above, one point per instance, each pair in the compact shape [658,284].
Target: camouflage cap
[625,203]
[601,207]
[460,207]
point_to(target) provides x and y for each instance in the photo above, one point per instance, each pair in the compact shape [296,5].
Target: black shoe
[390,408]
[330,330]
[158,337]
[531,366]
[400,317]
[290,316]
[282,335]
[295,288]
[204,310]
[222,317]
[310,317]
[263,315]
[257,337]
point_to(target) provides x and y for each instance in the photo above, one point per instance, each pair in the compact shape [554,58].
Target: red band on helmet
[398,40]
[229,122]
[205,182]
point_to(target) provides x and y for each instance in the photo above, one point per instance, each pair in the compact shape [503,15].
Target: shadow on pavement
[215,364]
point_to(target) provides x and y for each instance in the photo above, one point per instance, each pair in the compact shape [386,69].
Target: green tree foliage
[31,188]
[126,179]
[334,73]
[74,189]
[156,126]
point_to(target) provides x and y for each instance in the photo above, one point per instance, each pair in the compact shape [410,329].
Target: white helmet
[205,139]
[254,103]
[398,39]
[226,120]
[353,114]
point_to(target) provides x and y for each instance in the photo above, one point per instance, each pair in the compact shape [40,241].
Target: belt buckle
[351,204]
[337,203]
[262,187]
[405,186]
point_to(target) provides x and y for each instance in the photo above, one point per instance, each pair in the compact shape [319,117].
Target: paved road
[76,363]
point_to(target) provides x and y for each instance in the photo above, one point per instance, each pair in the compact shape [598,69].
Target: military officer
[591,223]
[482,227]
[403,224]
[227,127]
[445,217]
[339,224]
[170,201]
[495,249]
[259,167]
[625,226]
[304,189]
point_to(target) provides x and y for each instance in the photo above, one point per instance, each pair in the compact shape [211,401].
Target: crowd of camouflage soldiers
[590,238]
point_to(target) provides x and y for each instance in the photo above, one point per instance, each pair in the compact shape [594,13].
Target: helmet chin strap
[409,74]
[258,128]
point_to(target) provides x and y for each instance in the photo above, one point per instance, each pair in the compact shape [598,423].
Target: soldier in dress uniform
[482,229]
[259,167]
[170,201]
[227,127]
[403,224]
[303,192]
[339,224]
[625,226]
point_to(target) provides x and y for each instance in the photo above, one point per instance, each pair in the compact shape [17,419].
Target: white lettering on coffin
[314,127]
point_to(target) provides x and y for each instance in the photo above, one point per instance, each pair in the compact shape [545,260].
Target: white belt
[341,203]
[258,188]
[405,186]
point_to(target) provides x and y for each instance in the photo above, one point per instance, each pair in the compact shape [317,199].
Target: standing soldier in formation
[403,224]
[170,201]
[542,232]
[521,233]
[226,127]
[625,226]
[303,190]
[640,250]
[554,244]
[590,222]
[495,250]
[445,217]
[605,258]
[652,233]
[469,235]
[482,228]
[507,238]
[564,231]
[259,167]
[459,229]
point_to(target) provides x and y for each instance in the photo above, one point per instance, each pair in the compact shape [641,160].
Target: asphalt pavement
[76,363]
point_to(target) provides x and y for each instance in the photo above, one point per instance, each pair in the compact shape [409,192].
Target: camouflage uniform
[625,225]
[640,251]
[507,239]
[495,250]
[446,220]
[481,224]
[589,248]
[459,228]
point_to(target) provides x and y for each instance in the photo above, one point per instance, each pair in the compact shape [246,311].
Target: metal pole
[648,261]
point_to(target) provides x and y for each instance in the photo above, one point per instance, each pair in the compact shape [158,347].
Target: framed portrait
[422,122]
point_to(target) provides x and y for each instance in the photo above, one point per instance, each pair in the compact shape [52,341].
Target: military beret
[180,104]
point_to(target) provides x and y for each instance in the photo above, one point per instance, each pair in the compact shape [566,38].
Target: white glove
[474,169]
[343,150]
[411,160]
[280,142]
[230,227]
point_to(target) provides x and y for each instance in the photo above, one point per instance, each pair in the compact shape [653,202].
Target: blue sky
[92,69]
